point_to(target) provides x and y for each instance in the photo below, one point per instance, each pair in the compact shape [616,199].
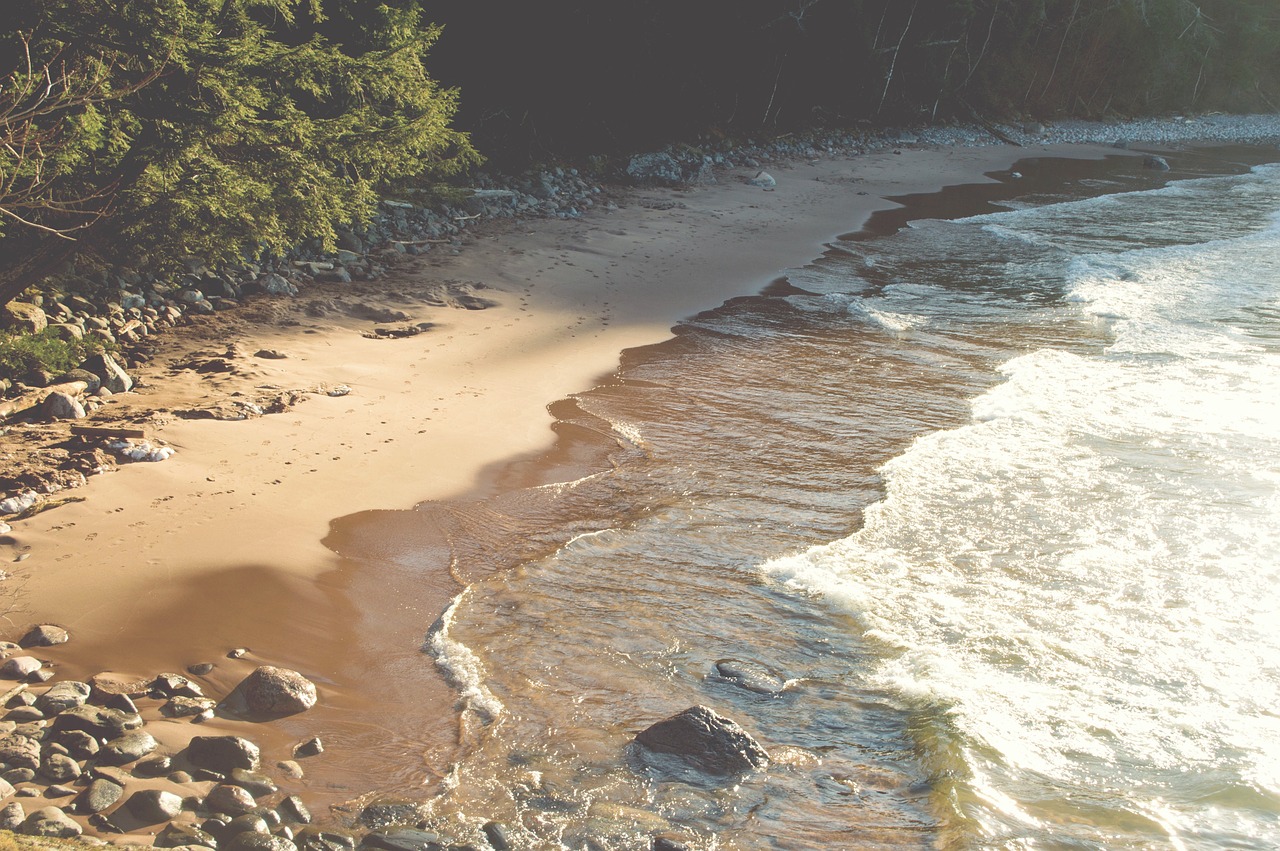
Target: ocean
[990,492]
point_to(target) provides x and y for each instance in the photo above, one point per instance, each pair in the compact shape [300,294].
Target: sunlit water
[999,497]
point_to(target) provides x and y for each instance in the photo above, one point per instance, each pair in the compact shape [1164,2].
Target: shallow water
[996,496]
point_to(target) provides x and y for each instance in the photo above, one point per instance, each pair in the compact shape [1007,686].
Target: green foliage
[23,353]
[223,128]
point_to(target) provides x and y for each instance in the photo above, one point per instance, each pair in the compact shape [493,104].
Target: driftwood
[108,431]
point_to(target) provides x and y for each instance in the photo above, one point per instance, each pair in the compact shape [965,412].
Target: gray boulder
[152,806]
[12,816]
[97,721]
[60,768]
[50,821]
[706,741]
[24,317]
[62,406]
[223,754]
[98,796]
[46,634]
[277,691]
[662,169]
[1151,161]
[20,667]
[19,751]
[232,800]
[62,696]
[113,376]
[748,675]
[764,180]
[181,835]
[127,748]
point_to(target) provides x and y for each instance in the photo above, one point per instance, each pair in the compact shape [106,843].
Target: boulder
[62,406]
[764,180]
[1155,163]
[23,317]
[258,785]
[223,754]
[706,741]
[251,841]
[152,806]
[176,685]
[232,800]
[124,749]
[50,821]
[112,683]
[6,789]
[316,839]
[389,813]
[60,768]
[46,634]
[20,667]
[12,815]
[184,707]
[662,169]
[277,691]
[748,675]
[292,809]
[310,747]
[497,836]
[19,751]
[78,743]
[112,375]
[98,796]
[181,835]
[404,839]
[62,696]
[98,721]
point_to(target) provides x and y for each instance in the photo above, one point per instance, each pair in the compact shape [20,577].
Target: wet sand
[230,543]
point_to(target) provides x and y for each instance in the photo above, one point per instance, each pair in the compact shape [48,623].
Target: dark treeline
[574,76]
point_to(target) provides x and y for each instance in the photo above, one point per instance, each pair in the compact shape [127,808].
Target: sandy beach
[228,544]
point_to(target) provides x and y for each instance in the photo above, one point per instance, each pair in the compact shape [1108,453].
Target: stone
[706,741]
[62,406]
[98,796]
[6,789]
[250,841]
[12,815]
[152,806]
[20,667]
[290,769]
[404,839]
[277,691]
[78,743]
[180,777]
[748,675]
[311,747]
[274,284]
[24,714]
[68,332]
[23,317]
[176,685]
[59,790]
[246,823]
[318,839]
[50,821]
[19,751]
[59,768]
[1151,161]
[127,748]
[390,813]
[496,833]
[659,168]
[118,776]
[15,776]
[200,669]
[223,753]
[62,696]
[112,683]
[154,766]
[184,707]
[764,180]
[46,634]
[292,809]
[180,835]
[113,376]
[255,784]
[232,800]
[98,721]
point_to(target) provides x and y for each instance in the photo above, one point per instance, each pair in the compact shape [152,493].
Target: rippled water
[997,496]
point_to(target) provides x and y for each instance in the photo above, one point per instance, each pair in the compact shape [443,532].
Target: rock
[12,815]
[176,685]
[113,376]
[183,707]
[62,406]
[223,753]
[404,839]
[98,796]
[246,823]
[23,317]
[127,748]
[751,676]
[154,766]
[273,284]
[19,751]
[179,835]
[277,691]
[45,635]
[16,504]
[497,836]
[1151,161]
[20,667]
[291,769]
[180,777]
[200,669]
[98,721]
[111,683]
[764,180]
[251,841]
[292,809]
[122,702]
[78,743]
[258,785]
[118,776]
[152,806]
[50,821]
[310,747]
[6,789]
[15,776]
[24,714]
[316,839]
[60,768]
[62,696]
[232,800]
[390,813]
[707,741]
[655,168]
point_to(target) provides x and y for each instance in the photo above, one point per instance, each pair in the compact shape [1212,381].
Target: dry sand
[221,546]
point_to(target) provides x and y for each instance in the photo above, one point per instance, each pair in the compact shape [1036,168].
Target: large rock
[749,675]
[62,406]
[404,839]
[123,749]
[764,180]
[707,741]
[223,754]
[319,839]
[661,169]
[19,751]
[98,796]
[60,768]
[182,835]
[45,635]
[20,667]
[97,721]
[23,317]
[113,376]
[152,806]
[232,800]
[63,696]
[50,821]
[251,841]
[12,816]
[277,691]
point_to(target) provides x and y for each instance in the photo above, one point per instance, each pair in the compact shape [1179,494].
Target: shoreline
[430,418]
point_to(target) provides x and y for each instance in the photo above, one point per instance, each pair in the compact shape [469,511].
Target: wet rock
[113,376]
[1155,163]
[232,800]
[50,821]
[291,769]
[223,754]
[20,667]
[705,740]
[200,669]
[277,691]
[185,707]
[310,747]
[127,748]
[316,839]
[764,180]
[152,806]
[62,696]
[98,796]
[12,816]
[60,768]
[250,841]
[381,814]
[44,635]
[78,743]
[496,834]
[98,721]
[292,809]
[258,785]
[246,823]
[751,676]
[19,751]
[404,839]
[179,835]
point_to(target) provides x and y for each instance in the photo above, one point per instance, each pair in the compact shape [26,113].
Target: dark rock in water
[292,809]
[132,745]
[63,696]
[1155,163]
[179,835]
[250,841]
[99,795]
[98,721]
[277,691]
[310,747]
[404,839]
[707,741]
[50,821]
[223,754]
[152,806]
[202,668]
[388,813]
[232,800]
[751,676]
[47,635]
[316,839]
[246,823]
[258,785]
[497,836]
[667,843]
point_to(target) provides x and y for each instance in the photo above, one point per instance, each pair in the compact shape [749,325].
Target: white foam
[462,668]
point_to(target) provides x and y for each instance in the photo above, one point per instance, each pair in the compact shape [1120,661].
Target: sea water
[995,499]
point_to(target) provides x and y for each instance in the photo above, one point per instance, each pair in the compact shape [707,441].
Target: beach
[245,537]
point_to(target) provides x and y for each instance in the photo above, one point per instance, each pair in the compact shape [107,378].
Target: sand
[223,545]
